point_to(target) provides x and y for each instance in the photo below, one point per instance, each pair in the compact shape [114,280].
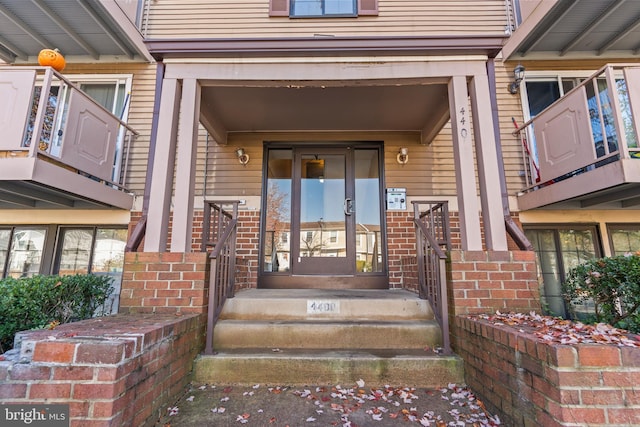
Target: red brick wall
[401,244]
[409,267]
[529,382]
[489,287]
[167,282]
[246,249]
[486,281]
[247,246]
[112,371]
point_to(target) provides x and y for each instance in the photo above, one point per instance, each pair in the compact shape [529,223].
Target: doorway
[322,224]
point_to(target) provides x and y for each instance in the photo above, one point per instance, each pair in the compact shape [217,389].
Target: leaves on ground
[560,331]
[355,406]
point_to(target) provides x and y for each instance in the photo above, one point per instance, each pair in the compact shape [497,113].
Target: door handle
[348,206]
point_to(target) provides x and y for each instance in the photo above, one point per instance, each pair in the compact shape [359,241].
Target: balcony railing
[43,115]
[593,125]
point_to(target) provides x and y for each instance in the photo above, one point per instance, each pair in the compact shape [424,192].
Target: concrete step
[297,367]
[326,334]
[319,337]
[287,304]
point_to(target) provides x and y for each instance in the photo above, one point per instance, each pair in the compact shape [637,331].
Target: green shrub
[41,301]
[612,285]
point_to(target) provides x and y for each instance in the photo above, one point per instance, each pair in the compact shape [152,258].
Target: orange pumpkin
[52,58]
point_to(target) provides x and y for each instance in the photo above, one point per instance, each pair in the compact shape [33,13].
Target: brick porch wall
[111,371]
[486,281]
[514,282]
[529,382]
[165,282]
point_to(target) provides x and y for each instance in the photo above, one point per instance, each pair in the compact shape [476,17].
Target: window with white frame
[309,8]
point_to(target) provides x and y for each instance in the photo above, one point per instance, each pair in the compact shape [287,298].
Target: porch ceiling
[578,29]
[31,194]
[78,28]
[295,107]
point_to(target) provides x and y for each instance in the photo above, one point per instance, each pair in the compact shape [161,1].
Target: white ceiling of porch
[354,108]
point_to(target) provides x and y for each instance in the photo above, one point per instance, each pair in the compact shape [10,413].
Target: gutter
[512,228]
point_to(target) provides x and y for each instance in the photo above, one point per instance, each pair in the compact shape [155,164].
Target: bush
[612,285]
[40,301]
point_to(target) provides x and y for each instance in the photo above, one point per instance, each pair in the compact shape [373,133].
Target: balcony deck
[586,152]
[59,149]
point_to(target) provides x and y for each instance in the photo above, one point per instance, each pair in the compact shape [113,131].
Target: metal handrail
[432,234]
[137,235]
[219,231]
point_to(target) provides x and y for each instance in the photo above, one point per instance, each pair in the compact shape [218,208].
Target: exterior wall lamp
[518,75]
[243,157]
[403,156]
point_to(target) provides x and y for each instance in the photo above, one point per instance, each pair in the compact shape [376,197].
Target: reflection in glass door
[324,212]
[323,215]
[368,227]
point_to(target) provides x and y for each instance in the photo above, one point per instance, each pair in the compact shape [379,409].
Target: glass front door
[323,218]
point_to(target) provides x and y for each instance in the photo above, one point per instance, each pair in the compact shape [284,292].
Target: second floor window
[308,8]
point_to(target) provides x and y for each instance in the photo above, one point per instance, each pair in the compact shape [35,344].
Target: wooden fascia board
[167,48]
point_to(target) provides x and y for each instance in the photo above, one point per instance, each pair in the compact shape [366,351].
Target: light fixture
[518,75]
[243,157]
[403,156]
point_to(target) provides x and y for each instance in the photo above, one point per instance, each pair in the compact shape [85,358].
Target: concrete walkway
[347,405]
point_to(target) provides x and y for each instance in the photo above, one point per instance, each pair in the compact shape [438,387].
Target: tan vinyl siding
[140,112]
[429,172]
[510,106]
[240,19]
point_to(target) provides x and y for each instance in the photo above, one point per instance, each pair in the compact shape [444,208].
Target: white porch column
[156,235]
[181,229]
[495,234]
[465,171]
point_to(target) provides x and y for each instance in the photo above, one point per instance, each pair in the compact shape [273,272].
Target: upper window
[322,8]
[303,8]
